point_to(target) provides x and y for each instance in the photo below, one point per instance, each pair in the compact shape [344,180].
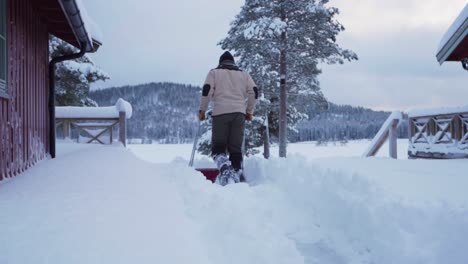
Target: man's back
[231,87]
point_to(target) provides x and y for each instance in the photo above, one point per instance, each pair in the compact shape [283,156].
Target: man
[229,88]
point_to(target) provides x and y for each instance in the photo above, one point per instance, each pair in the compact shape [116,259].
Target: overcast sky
[396,41]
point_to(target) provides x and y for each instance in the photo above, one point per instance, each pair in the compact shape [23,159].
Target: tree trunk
[283,121]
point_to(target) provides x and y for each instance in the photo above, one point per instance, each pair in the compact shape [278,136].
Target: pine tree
[74,78]
[281,43]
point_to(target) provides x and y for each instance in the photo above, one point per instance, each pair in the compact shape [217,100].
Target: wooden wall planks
[23,116]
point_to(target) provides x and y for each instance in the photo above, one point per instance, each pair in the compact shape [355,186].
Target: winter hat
[227,56]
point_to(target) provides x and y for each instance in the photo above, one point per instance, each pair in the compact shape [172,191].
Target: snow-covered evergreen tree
[74,77]
[281,44]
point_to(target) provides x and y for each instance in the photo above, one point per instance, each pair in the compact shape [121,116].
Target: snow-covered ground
[105,204]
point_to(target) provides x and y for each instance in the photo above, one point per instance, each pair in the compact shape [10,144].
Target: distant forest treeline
[166,113]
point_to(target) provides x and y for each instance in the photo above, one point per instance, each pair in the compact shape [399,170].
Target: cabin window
[3,50]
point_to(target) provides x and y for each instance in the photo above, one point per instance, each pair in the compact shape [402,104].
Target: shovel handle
[195,143]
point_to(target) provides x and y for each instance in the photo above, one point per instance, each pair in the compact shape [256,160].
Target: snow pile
[95,112]
[119,209]
[462,18]
[339,217]
[124,106]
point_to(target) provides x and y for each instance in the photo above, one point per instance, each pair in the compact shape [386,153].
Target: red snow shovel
[210,173]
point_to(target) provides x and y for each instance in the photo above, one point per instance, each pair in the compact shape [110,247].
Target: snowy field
[105,204]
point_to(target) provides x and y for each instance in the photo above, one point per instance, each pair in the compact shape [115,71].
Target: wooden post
[66,129]
[123,128]
[111,130]
[392,139]
[266,144]
[457,129]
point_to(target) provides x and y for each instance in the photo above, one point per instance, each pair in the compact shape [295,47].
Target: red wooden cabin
[454,44]
[26,103]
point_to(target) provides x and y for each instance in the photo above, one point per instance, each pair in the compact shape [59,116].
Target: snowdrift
[119,209]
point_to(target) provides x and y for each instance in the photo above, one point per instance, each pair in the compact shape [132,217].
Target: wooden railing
[94,128]
[440,136]
[389,131]
[95,122]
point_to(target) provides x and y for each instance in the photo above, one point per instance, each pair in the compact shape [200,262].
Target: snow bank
[453,28]
[95,112]
[118,209]
[336,216]
[437,111]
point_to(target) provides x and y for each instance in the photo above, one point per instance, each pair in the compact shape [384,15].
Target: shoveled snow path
[96,205]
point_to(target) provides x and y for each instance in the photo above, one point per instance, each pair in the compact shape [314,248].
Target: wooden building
[454,44]
[26,75]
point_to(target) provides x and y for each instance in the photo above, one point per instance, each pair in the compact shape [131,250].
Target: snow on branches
[289,38]
[74,77]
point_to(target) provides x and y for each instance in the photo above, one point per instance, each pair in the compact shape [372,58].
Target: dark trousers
[228,134]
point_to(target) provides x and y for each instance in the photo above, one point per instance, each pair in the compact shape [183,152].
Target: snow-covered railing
[439,133]
[389,131]
[95,121]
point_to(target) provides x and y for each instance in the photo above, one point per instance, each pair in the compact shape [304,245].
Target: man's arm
[207,92]
[252,94]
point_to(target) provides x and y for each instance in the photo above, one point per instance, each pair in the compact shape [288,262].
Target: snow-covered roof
[95,112]
[84,28]
[93,28]
[452,38]
[437,111]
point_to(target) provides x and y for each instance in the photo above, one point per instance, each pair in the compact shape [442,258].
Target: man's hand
[249,117]
[201,115]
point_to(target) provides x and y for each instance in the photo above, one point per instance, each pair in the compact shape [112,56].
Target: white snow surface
[102,204]
[95,112]
[453,28]
[437,111]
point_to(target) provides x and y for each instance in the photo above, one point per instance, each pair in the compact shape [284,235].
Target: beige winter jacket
[229,88]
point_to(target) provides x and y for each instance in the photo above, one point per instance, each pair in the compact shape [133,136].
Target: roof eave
[77,22]
[453,43]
